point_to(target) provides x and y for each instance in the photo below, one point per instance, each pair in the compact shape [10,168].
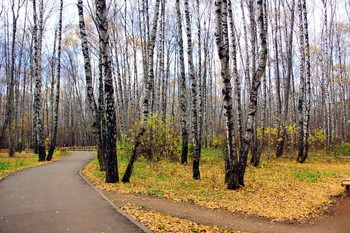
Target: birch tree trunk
[223,52]
[111,128]
[281,142]
[194,95]
[258,145]
[301,105]
[120,91]
[10,114]
[258,73]
[183,89]
[162,76]
[89,87]
[325,78]
[277,73]
[305,90]
[100,117]
[57,99]
[148,91]
[38,31]
[236,77]
[200,80]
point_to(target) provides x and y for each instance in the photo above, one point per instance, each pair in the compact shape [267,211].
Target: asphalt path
[54,198]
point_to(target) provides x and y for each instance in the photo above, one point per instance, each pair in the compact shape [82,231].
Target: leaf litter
[280,190]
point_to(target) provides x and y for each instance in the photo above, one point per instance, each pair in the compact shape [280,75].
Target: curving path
[54,198]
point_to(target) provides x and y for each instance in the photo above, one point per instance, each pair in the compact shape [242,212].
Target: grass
[280,189]
[22,161]
[312,175]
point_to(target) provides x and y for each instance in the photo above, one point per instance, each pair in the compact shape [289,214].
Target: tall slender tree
[10,114]
[148,92]
[305,76]
[223,52]
[38,34]
[183,89]
[90,89]
[281,142]
[57,95]
[111,129]
[194,94]
[256,80]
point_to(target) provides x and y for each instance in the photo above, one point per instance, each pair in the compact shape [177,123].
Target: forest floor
[165,215]
[280,196]
[163,196]
[23,160]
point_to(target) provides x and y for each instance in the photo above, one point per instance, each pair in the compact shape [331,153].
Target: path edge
[119,210]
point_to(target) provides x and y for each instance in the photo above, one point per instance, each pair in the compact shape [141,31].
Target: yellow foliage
[160,140]
[219,140]
[317,139]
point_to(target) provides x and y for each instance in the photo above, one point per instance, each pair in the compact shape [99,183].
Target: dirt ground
[337,221]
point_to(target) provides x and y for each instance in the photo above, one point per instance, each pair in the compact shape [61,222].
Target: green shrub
[343,149]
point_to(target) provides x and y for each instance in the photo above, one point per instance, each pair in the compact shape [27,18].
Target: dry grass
[280,189]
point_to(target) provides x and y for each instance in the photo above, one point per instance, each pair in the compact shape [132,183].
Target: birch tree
[57,95]
[90,89]
[148,92]
[289,73]
[305,75]
[256,80]
[37,34]
[183,89]
[194,95]
[111,130]
[10,106]
[223,52]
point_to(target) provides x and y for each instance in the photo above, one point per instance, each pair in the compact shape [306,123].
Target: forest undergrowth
[280,189]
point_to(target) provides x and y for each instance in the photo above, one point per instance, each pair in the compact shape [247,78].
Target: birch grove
[160,80]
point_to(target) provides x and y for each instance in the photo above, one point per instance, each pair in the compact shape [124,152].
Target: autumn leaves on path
[54,198]
[338,220]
